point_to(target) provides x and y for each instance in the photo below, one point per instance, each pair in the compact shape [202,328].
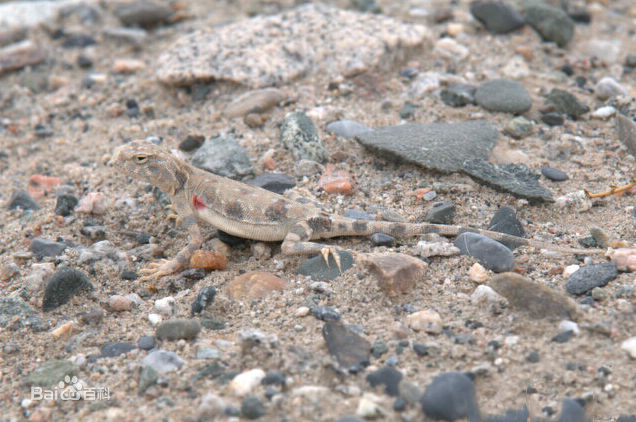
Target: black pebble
[552,119]
[65,204]
[46,247]
[533,357]
[381,239]
[205,298]
[63,285]
[420,349]
[21,199]
[450,396]
[252,408]
[78,41]
[388,377]
[113,349]
[554,174]
[128,275]
[441,213]
[325,313]
[274,378]
[505,221]
[191,142]
[563,337]
[84,62]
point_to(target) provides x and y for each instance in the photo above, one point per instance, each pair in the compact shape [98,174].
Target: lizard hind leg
[297,242]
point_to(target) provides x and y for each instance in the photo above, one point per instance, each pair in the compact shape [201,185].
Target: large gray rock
[551,23]
[503,95]
[437,146]
[269,50]
[224,156]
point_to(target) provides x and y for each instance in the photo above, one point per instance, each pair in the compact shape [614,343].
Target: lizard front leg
[297,242]
[166,267]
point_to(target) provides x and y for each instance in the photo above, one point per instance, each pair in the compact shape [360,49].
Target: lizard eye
[140,158]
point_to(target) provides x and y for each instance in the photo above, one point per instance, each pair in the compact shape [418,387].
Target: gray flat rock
[437,146]
[516,179]
[268,50]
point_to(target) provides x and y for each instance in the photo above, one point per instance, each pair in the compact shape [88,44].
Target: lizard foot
[330,250]
[157,270]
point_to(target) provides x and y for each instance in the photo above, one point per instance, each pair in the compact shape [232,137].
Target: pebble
[224,156]
[577,200]
[94,317]
[625,259]
[114,349]
[535,299]
[519,127]
[204,299]
[308,168]
[325,313]
[128,66]
[15,315]
[298,134]
[147,378]
[388,377]
[607,88]
[21,199]
[427,249]
[45,247]
[65,205]
[601,238]
[143,13]
[369,407]
[94,233]
[208,260]
[503,95]
[162,361]
[40,186]
[19,55]
[436,146]
[252,408]
[626,129]
[245,382]
[563,337]
[551,23]
[496,16]
[566,103]
[441,213]
[553,174]
[450,49]
[458,94]
[178,328]
[211,406]
[337,182]
[94,203]
[50,372]
[485,294]
[318,270]
[426,320]
[516,179]
[395,272]
[490,253]
[166,305]
[629,346]
[552,119]
[477,273]
[254,285]
[351,350]
[347,129]
[450,396]
[154,318]
[505,221]
[591,276]
[255,101]
[273,182]
[133,36]
[369,39]
[118,303]
[146,342]
[381,239]
[603,113]
[191,142]
[64,284]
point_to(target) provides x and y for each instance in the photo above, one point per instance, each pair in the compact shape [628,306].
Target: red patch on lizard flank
[198,203]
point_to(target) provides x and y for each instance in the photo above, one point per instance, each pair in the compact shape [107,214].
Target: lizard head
[146,161]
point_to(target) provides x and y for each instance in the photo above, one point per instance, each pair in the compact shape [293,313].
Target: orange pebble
[208,260]
[39,185]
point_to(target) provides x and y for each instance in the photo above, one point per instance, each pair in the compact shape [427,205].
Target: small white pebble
[604,112]
[245,382]
[567,325]
[478,273]
[154,318]
[166,306]
[486,294]
[629,346]
[302,311]
[570,269]
[511,340]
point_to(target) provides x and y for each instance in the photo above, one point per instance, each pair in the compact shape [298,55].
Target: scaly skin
[203,198]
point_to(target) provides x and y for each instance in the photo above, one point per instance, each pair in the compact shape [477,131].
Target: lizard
[203,198]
